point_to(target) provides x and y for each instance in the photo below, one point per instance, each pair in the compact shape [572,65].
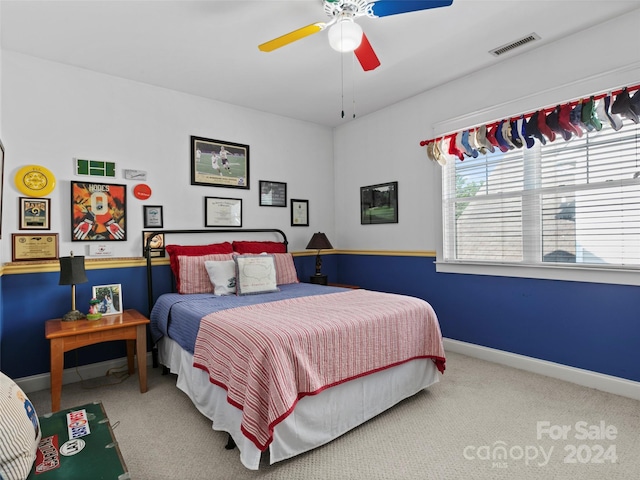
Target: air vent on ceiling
[518,43]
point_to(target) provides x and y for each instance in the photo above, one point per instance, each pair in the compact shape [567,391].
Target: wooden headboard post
[147,248]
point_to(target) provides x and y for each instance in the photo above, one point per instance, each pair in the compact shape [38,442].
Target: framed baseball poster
[98,212]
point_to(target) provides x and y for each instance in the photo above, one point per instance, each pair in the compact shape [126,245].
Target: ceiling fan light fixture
[345,35]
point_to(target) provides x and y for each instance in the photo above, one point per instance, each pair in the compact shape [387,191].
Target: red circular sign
[142,191]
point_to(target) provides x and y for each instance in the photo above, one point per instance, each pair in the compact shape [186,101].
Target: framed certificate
[299,213]
[222,212]
[152,216]
[34,246]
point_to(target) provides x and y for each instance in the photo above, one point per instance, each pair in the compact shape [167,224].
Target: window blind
[566,202]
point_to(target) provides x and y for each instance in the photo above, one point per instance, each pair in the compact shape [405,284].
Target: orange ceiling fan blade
[291,37]
[366,56]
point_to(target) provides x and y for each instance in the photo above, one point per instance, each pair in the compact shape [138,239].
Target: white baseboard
[42,381]
[586,378]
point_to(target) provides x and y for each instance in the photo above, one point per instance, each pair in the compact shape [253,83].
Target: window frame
[594,273]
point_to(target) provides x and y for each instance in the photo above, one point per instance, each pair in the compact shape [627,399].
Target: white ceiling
[209,48]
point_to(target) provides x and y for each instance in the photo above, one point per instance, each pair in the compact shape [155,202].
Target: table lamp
[71,273]
[319,241]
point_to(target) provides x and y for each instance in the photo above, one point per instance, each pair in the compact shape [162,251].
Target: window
[573,202]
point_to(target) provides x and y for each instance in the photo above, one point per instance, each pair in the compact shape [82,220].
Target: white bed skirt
[316,419]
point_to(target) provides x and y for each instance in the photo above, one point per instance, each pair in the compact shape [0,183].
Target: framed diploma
[34,246]
[35,213]
[299,213]
[222,212]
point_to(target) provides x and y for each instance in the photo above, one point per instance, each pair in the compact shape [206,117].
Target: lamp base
[319,279]
[73,315]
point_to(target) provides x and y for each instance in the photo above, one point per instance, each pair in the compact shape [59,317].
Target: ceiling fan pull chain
[342,83]
[353,84]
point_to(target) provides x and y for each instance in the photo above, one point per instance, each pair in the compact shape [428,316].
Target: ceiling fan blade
[291,37]
[366,56]
[384,8]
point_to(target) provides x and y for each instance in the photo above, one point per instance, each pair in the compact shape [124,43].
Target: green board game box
[78,444]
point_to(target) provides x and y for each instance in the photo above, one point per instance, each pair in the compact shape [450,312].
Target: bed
[282,366]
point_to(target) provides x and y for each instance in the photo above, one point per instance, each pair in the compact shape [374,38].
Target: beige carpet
[447,432]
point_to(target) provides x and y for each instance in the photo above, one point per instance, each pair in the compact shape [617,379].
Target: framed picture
[156,245]
[98,212]
[34,213]
[152,215]
[217,163]
[273,194]
[379,203]
[222,212]
[34,246]
[110,297]
[299,213]
[1,182]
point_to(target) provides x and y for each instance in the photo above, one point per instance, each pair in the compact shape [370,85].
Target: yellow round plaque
[35,181]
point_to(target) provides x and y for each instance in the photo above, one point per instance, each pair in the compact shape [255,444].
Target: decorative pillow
[19,431]
[285,269]
[259,247]
[193,274]
[255,274]
[223,276]
[193,250]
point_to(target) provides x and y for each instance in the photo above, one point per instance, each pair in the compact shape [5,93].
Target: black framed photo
[222,212]
[98,212]
[273,194]
[218,163]
[1,182]
[299,213]
[379,203]
[152,215]
[156,244]
[34,213]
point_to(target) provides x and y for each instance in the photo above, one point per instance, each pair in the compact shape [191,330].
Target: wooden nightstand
[64,336]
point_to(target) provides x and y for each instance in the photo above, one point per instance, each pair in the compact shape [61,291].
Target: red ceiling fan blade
[366,56]
[384,8]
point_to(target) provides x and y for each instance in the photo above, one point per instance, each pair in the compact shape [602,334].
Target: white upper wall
[53,113]
[384,146]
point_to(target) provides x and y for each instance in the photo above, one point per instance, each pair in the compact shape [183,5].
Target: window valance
[565,121]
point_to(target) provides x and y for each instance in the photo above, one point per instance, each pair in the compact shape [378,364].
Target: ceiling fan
[345,35]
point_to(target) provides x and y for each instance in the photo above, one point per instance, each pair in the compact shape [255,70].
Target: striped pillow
[19,431]
[285,269]
[193,273]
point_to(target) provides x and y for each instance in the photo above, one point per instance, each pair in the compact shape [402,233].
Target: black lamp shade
[72,271]
[319,241]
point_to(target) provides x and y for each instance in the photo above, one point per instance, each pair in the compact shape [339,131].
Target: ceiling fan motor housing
[348,8]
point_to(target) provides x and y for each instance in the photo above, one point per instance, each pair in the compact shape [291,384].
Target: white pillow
[255,274]
[223,276]
[19,431]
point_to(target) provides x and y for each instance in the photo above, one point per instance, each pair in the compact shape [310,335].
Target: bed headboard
[200,235]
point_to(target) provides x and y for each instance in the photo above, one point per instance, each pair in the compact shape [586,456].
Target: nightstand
[319,279]
[64,336]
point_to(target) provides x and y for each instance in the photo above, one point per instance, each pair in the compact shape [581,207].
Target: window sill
[610,275]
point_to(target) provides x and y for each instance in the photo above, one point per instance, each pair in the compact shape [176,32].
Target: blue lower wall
[585,325]
[590,326]
[31,299]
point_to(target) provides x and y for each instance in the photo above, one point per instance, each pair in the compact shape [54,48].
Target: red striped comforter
[268,356]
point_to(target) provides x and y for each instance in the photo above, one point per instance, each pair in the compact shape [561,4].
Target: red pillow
[193,251]
[259,247]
